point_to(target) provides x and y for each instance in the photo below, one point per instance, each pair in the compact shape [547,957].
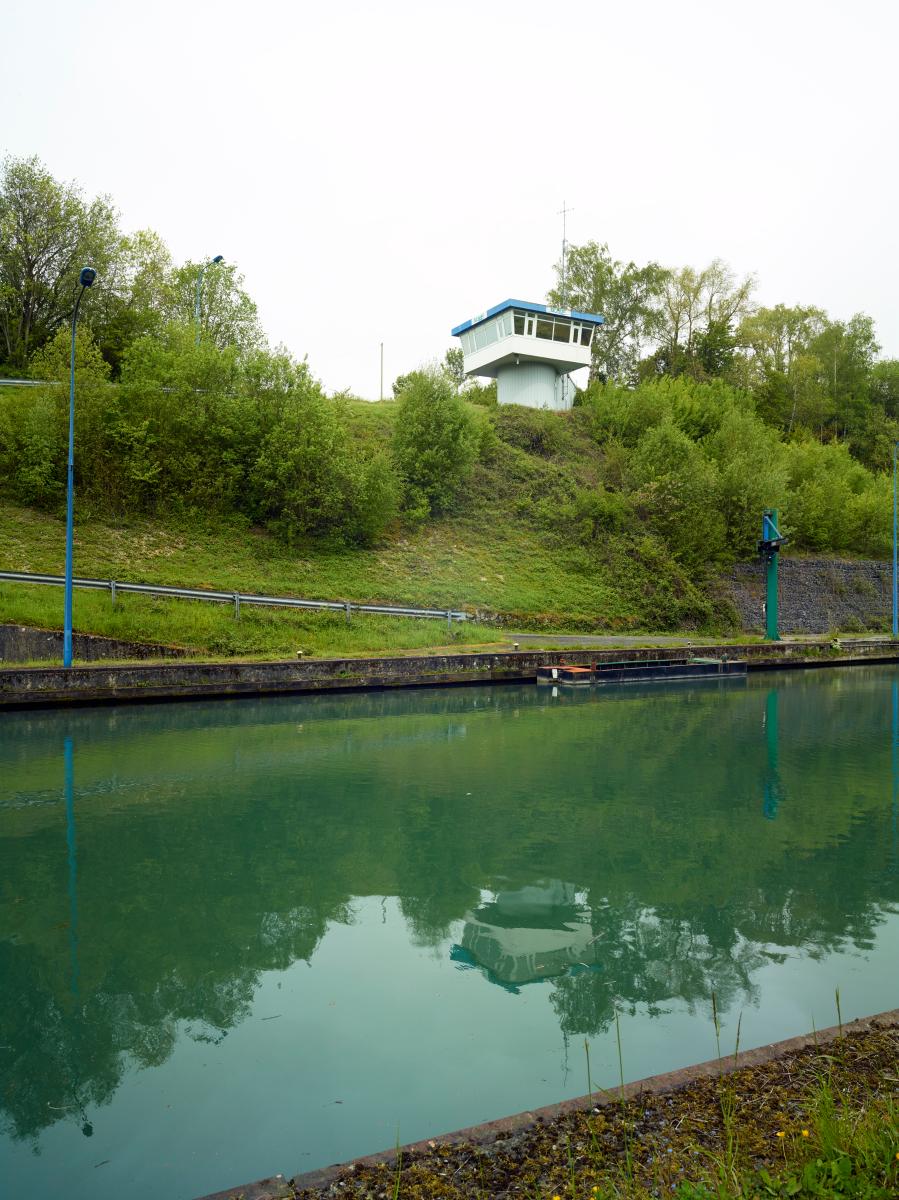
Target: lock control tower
[529,350]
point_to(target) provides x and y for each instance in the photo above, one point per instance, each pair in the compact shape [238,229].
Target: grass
[501,571]
[497,567]
[213,630]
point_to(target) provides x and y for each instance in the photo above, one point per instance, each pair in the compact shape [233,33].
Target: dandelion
[805,1133]
[781,1134]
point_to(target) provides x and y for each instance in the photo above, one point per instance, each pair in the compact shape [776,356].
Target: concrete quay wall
[26,687]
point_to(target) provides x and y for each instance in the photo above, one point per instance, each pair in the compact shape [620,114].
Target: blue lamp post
[86,279]
[895,586]
[218,258]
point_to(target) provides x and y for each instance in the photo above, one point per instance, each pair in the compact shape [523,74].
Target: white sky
[384,171]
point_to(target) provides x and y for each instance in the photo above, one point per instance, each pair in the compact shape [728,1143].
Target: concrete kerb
[491,1131]
[26,687]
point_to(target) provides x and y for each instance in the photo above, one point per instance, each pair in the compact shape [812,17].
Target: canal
[251,936]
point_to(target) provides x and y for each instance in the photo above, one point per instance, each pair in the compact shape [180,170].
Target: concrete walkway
[628,641]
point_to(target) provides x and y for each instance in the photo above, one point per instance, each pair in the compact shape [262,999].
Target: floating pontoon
[641,671]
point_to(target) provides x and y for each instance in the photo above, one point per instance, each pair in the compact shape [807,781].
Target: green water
[264,935]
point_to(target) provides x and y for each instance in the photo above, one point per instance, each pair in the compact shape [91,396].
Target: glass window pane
[480,337]
[519,322]
[545,327]
[561,330]
[491,331]
[586,335]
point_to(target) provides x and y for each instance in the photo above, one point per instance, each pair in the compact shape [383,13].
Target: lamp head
[87,277]
[218,258]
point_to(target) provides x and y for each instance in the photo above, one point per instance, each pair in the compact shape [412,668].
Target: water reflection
[532,933]
[773,785]
[612,852]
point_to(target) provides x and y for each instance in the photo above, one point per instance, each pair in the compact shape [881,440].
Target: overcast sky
[381,172]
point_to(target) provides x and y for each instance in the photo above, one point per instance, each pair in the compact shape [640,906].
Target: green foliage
[454,366]
[595,515]
[308,482]
[434,443]
[48,231]
[194,428]
[676,494]
[752,476]
[626,295]
[534,430]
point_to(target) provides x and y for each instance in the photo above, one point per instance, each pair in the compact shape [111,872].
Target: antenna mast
[563,282]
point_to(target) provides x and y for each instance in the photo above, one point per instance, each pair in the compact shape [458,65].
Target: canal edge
[57,687]
[279,1188]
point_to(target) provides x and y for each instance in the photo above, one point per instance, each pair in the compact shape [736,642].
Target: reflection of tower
[533,933]
[773,786]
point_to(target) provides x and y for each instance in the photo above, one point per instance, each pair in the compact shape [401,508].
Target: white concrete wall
[491,359]
[530,384]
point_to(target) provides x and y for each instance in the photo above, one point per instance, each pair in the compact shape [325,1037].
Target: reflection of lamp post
[217,259]
[773,789]
[86,279]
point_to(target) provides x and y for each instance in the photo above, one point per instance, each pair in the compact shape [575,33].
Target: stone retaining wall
[816,595]
[24,687]
[21,643]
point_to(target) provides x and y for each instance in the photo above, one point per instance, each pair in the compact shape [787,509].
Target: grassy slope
[495,555]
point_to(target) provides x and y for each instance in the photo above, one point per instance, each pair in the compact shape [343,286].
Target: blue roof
[591,318]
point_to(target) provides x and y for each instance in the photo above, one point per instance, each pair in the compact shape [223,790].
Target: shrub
[435,442]
[534,430]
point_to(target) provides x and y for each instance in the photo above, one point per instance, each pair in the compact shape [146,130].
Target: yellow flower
[805,1133]
[780,1133]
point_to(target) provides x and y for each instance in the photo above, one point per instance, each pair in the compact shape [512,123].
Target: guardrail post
[347,606]
[237,606]
[112,591]
[449,620]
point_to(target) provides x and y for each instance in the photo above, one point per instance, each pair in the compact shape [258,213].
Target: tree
[48,231]
[434,442]
[627,296]
[699,313]
[454,366]
[228,315]
[131,301]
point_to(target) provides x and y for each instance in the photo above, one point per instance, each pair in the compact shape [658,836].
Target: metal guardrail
[26,382]
[113,586]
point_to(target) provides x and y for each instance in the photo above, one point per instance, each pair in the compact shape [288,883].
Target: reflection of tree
[651,958]
[217,842]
